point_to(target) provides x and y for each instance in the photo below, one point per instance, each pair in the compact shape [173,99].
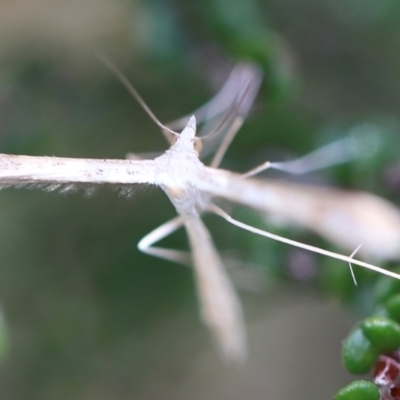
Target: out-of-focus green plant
[3,338]
[84,307]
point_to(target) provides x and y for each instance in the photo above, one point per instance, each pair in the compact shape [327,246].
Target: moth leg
[335,153]
[146,243]
[349,259]
[237,94]
[257,170]
[243,74]
[219,155]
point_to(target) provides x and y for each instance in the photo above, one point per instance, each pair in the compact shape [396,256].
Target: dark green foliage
[358,353]
[358,390]
[383,333]
[375,335]
[87,315]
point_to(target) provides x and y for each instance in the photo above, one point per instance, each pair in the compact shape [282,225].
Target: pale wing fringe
[345,218]
[25,170]
[219,304]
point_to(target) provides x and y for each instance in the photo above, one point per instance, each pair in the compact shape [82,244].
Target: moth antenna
[217,210]
[131,89]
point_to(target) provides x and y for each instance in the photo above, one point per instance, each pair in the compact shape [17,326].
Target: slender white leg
[349,259]
[219,155]
[257,170]
[146,244]
[351,268]
[244,76]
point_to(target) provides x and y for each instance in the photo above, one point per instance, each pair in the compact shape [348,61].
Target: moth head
[190,129]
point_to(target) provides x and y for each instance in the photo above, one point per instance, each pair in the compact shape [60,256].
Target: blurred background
[86,316]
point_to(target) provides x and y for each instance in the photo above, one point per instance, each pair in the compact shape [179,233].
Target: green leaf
[358,353]
[358,390]
[383,333]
